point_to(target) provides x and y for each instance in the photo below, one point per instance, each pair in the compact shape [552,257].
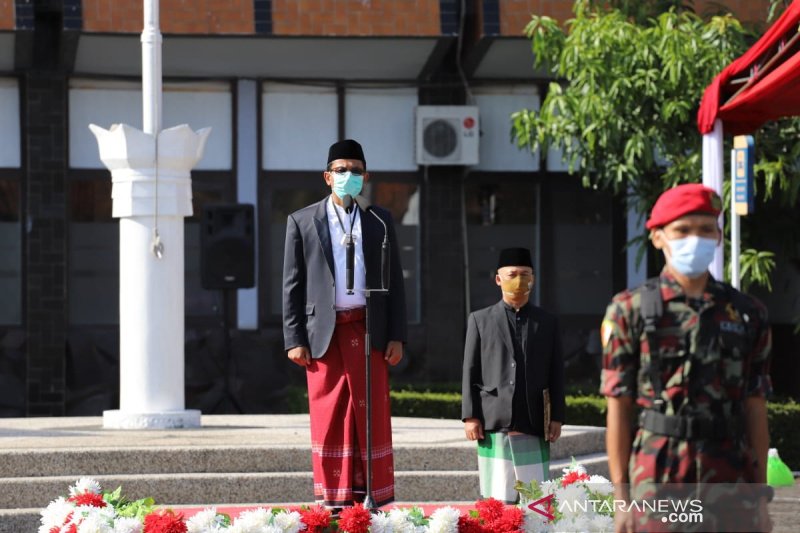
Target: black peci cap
[514,257]
[346,149]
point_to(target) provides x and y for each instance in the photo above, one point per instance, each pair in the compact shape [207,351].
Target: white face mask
[691,255]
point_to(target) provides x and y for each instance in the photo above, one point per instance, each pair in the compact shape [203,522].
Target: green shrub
[784,431]
[586,410]
[590,410]
[426,404]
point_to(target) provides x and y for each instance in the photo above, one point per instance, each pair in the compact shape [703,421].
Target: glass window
[498,150]
[104,103]
[582,248]
[299,123]
[403,202]
[284,196]
[94,251]
[200,302]
[93,254]
[382,120]
[500,214]
[10,253]
[9,124]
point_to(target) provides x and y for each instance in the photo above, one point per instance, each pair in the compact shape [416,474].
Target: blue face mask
[347,183]
[691,255]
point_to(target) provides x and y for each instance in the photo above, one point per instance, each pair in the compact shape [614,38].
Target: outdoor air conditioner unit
[447,135]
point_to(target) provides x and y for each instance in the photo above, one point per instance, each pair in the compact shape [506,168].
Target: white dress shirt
[358,298]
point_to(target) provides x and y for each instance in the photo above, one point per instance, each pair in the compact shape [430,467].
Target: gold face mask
[518,286]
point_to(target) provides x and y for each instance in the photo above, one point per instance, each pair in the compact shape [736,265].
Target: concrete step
[230,459]
[23,498]
[186,459]
[263,487]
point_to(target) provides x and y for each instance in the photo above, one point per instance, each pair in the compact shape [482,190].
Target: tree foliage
[624,101]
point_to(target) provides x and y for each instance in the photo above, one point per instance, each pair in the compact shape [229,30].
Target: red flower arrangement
[315,518]
[164,522]
[572,477]
[470,524]
[355,519]
[492,516]
[88,498]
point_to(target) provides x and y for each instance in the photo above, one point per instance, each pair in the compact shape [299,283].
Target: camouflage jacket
[712,356]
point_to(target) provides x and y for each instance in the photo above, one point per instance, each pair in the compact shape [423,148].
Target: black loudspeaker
[227,246]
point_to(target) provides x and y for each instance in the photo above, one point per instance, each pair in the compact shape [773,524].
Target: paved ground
[216,430]
[785,509]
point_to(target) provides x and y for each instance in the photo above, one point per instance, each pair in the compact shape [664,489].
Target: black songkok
[514,257]
[346,149]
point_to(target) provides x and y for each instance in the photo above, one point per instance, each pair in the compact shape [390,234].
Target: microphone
[385,250]
[349,248]
[347,203]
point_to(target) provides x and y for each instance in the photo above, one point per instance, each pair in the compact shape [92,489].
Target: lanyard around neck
[339,218]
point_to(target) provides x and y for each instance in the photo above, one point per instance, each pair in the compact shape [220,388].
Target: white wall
[497,150]
[105,103]
[299,123]
[9,124]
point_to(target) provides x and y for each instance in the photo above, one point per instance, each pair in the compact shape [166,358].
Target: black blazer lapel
[324,232]
[501,323]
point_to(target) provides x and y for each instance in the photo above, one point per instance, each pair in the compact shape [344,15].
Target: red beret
[683,200]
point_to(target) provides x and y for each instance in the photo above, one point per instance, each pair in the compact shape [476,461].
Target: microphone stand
[369,503]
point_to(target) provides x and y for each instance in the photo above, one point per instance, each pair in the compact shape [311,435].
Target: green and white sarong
[504,458]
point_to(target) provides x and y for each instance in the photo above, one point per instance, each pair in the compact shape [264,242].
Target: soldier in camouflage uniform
[693,353]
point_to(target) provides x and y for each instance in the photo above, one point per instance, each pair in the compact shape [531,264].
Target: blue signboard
[744,157]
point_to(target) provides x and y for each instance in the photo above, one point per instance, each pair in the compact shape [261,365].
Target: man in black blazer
[324,326]
[512,357]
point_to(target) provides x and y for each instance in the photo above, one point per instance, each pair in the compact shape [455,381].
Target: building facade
[279,81]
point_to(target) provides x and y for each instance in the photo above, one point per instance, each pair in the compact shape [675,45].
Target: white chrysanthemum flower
[289,522]
[86,511]
[537,523]
[380,523]
[127,525]
[548,487]
[602,523]
[270,529]
[444,520]
[575,467]
[83,485]
[206,521]
[55,514]
[95,523]
[252,521]
[572,500]
[401,522]
[581,523]
[600,485]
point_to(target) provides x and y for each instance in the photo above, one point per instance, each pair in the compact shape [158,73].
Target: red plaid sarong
[336,398]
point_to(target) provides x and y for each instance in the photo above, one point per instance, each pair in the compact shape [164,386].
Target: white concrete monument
[152,193]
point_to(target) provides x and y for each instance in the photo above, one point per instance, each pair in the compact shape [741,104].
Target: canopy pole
[713,176]
[735,229]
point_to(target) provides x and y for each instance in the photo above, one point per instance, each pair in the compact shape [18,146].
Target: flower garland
[88,509]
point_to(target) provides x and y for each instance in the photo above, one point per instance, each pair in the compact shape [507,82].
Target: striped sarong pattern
[504,458]
[337,405]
